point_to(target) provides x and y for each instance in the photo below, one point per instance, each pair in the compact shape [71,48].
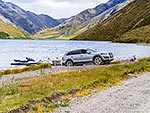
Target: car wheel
[69,63]
[98,61]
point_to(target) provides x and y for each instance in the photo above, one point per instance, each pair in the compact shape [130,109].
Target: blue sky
[57,8]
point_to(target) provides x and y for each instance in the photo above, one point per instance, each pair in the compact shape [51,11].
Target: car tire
[97,60]
[69,63]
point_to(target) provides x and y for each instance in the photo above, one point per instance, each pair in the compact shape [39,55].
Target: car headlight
[111,54]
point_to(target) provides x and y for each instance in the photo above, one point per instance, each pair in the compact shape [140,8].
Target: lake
[44,49]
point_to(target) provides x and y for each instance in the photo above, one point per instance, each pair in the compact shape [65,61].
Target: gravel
[132,97]
[5,79]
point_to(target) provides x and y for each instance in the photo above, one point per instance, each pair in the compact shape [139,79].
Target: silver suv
[82,56]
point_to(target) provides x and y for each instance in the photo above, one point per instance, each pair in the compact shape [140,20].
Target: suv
[82,56]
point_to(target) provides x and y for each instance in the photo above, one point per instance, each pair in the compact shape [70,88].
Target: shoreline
[10,78]
[107,41]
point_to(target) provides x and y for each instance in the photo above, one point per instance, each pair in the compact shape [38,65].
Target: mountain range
[26,20]
[116,20]
[130,24]
[84,20]
[65,27]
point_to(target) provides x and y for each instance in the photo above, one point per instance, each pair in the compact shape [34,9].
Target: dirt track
[132,97]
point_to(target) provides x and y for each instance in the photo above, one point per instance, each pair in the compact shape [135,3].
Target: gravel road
[55,69]
[132,97]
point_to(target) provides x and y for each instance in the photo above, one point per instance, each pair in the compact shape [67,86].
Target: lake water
[44,49]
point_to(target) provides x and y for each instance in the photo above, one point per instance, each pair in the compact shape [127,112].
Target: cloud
[57,8]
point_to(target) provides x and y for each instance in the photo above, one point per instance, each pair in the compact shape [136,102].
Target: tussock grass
[87,81]
[28,68]
[139,35]
[147,59]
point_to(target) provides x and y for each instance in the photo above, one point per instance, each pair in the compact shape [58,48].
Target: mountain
[9,30]
[131,24]
[84,20]
[26,20]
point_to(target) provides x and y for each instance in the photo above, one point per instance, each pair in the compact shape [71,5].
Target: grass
[88,81]
[28,68]
[139,35]
[147,59]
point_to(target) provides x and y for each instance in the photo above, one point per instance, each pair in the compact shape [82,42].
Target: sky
[57,8]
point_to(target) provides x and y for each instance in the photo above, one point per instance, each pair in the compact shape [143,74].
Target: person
[30,59]
[133,58]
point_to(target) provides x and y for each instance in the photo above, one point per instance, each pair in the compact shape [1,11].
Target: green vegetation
[139,35]
[9,30]
[39,89]
[4,35]
[127,25]
[28,68]
[147,59]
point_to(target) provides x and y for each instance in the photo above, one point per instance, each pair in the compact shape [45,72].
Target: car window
[70,53]
[84,51]
[74,52]
[91,50]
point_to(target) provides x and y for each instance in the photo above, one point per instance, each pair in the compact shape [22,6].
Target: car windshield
[91,50]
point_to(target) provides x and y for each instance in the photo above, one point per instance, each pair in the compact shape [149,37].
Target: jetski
[27,62]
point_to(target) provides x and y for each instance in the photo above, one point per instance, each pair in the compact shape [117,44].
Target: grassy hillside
[133,16]
[9,30]
[138,35]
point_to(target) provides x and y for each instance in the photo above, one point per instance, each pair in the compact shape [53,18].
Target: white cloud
[57,8]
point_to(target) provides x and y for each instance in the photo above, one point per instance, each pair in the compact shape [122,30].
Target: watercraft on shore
[27,62]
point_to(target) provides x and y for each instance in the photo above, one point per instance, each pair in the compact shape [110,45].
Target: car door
[85,56]
[76,56]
